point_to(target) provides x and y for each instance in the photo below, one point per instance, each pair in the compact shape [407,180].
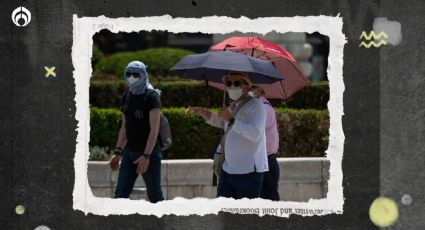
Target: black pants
[239,186]
[270,188]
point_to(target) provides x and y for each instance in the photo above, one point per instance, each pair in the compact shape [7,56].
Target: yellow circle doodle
[383,212]
[20,209]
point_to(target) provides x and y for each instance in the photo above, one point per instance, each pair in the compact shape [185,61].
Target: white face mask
[235,93]
[132,80]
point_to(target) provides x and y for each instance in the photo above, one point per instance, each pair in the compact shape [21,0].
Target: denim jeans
[152,177]
[239,186]
[271,180]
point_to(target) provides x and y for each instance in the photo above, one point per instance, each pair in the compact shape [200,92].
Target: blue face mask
[137,85]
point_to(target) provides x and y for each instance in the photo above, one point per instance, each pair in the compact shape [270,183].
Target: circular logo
[21,16]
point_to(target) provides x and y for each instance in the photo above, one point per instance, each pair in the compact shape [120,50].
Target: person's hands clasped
[142,164]
[224,115]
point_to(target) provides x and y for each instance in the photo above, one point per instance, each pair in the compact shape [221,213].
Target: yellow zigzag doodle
[372,34]
[382,42]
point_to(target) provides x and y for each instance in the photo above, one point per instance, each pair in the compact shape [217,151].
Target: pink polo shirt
[272,135]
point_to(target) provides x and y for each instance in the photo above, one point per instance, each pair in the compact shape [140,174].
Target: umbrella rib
[263,54]
[299,71]
[284,91]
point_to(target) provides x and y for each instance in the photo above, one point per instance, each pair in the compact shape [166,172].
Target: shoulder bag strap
[232,115]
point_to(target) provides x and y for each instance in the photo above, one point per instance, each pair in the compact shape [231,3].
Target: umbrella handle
[224,106]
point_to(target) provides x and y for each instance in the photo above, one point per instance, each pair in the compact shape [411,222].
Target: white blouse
[245,144]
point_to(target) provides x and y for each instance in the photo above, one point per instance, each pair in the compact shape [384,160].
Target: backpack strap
[267,103]
[238,107]
[148,92]
[232,116]
[125,100]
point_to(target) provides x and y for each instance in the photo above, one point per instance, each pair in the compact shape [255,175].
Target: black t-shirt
[136,109]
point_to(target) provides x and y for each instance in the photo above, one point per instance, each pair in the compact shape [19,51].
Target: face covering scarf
[136,85]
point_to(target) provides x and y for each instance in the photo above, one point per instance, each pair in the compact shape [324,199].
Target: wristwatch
[118,151]
[146,156]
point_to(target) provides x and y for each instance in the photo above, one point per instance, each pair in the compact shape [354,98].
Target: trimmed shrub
[158,60]
[100,76]
[108,94]
[303,133]
[115,63]
[315,95]
[96,56]
[96,77]
[189,93]
[104,126]
[192,137]
[99,153]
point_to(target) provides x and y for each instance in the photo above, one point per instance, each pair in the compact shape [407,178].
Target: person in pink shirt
[270,188]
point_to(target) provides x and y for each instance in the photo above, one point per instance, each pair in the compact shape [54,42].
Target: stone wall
[300,179]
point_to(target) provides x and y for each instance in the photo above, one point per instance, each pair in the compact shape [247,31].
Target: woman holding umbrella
[244,143]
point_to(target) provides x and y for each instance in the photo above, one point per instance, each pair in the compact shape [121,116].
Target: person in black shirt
[141,107]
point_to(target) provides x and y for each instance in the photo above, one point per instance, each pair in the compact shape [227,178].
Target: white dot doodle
[406,199]
[21,16]
[42,227]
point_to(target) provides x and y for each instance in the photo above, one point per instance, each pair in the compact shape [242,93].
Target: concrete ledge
[300,179]
[188,172]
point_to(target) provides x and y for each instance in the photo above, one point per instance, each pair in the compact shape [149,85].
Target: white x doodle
[50,71]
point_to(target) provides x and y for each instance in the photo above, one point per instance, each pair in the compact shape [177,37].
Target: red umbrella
[293,76]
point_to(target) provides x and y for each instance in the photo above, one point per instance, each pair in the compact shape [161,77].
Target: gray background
[383,121]
[402,101]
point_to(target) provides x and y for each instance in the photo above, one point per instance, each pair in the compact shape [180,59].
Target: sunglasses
[234,83]
[136,75]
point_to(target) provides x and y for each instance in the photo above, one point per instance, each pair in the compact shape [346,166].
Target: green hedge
[96,56]
[107,94]
[303,133]
[158,60]
[315,95]
[104,125]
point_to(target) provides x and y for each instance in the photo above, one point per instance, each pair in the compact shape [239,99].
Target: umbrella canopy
[212,66]
[281,59]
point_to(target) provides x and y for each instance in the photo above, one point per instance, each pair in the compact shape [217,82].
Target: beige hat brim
[242,75]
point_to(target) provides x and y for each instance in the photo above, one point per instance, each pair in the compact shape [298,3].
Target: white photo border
[83,30]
